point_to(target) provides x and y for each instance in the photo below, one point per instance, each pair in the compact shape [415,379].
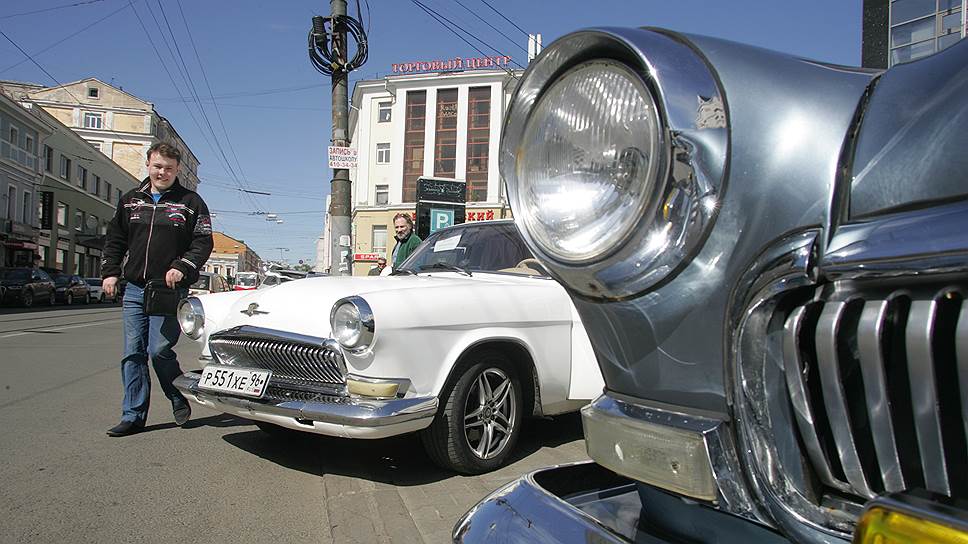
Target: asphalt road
[218,479]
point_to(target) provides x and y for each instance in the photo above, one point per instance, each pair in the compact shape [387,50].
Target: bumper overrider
[308,388]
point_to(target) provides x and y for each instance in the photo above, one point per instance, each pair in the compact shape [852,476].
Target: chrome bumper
[348,417]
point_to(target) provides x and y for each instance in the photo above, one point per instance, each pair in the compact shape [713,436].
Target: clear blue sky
[275,106]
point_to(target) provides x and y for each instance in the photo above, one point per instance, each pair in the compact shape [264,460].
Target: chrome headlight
[191,317]
[352,321]
[614,152]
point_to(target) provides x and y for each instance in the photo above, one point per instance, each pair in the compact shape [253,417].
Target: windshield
[61,280]
[19,274]
[484,247]
[248,280]
[202,283]
[93,282]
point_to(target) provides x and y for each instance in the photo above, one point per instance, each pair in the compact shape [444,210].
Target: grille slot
[878,383]
[295,361]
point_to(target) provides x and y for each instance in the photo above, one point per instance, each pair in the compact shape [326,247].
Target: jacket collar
[146,187]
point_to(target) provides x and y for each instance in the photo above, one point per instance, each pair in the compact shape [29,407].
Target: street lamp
[281,251]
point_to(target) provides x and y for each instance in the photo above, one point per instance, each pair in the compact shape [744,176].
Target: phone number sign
[342,157]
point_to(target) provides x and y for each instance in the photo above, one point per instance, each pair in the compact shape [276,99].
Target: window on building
[11,202]
[78,220]
[382,195]
[29,144]
[96,185]
[922,27]
[82,177]
[93,92]
[48,159]
[96,144]
[478,142]
[107,192]
[61,260]
[413,143]
[380,239]
[117,195]
[62,214]
[25,210]
[79,264]
[445,143]
[14,136]
[383,153]
[42,251]
[65,168]
[92,120]
[384,110]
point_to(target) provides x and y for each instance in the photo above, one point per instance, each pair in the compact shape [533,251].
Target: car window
[44,276]
[94,282]
[61,280]
[202,283]
[483,247]
[18,274]
[247,280]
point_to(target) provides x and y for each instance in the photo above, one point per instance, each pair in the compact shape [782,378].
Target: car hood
[303,306]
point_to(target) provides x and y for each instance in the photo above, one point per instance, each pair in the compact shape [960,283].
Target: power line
[64,39]
[474,13]
[453,25]
[486,3]
[51,9]
[253,93]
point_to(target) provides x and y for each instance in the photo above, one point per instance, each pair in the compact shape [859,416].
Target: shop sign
[342,157]
[368,256]
[46,210]
[454,64]
[480,216]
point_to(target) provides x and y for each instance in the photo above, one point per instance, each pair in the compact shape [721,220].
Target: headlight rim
[668,66]
[367,323]
[197,314]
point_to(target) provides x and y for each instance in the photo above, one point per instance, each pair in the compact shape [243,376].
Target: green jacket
[405,248]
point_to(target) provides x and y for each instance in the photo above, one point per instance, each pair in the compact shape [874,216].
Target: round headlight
[588,160]
[191,317]
[352,323]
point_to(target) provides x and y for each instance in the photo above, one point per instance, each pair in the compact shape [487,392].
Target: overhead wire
[486,3]
[438,17]
[75,4]
[494,28]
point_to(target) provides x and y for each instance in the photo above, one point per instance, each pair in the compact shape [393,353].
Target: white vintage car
[463,341]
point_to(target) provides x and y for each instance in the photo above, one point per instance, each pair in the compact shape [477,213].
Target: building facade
[899,31]
[21,135]
[231,256]
[442,125]
[118,124]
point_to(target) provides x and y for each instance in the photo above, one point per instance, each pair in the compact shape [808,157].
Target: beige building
[231,256]
[404,127]
[120,125]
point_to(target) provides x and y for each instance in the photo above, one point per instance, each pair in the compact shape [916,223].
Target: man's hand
[110,286]
[172,277]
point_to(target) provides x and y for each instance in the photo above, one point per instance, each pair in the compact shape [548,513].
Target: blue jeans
[147,336]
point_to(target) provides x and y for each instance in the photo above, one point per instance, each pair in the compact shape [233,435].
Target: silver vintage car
[770,256]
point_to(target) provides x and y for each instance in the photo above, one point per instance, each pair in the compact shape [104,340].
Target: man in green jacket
[407,239]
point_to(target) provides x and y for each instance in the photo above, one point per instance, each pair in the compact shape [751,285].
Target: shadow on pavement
[398,460]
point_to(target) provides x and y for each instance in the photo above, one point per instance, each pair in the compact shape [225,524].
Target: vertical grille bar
[834,399]
[793,365]
[870,336]
[961,357]
[927,419]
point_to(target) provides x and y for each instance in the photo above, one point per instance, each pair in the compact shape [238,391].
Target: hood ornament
[252,310]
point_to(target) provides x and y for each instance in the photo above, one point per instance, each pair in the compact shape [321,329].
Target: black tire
[87,298]
[68,298]
[101,299]
[458,437]
[28,299]
[53,299]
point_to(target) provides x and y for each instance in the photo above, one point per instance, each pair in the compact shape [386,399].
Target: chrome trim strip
[350,411]
[924,397]
[793,369]
[870,334]
[834,398]
[961,359]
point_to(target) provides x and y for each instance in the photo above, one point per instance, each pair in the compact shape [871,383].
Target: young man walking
[161,231]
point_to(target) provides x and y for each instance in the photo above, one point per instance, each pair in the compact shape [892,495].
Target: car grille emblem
[252,310]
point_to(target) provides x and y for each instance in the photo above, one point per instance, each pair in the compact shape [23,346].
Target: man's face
[162,171]
[401,227]
[381,263]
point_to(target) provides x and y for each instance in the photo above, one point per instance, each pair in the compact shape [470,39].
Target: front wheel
[28,299]
[69,298]
[480,421]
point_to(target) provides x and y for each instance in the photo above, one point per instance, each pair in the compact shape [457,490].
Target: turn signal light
[900,519]
[374,389]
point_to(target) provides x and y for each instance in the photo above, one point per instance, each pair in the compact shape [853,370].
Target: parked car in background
[70,288]
[245,281]
[770,257]
[467,339]
[26,286]
[97,291]
[208,282]
[277,277]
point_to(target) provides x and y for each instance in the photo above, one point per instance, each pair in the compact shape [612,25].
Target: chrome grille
[878,383]
[296,361]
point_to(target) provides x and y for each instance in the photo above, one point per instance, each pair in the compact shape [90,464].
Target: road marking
[55,329]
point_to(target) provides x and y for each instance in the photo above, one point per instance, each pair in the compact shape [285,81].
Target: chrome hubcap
[490,413]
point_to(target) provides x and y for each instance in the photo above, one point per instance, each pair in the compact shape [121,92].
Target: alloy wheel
[489,413]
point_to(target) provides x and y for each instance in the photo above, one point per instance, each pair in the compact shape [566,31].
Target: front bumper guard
[349,417]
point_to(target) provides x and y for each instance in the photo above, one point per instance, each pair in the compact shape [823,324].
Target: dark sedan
[71,288]
[26,286]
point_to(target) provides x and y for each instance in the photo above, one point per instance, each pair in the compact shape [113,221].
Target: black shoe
[182,413]
[125,428]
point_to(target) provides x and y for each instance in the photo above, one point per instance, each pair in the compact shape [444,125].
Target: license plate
[247,382]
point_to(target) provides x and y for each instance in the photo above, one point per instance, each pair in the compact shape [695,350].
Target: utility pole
[341,242]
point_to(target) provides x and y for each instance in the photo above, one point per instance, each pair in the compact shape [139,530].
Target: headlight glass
[352,323]
[191,317]
[588,161]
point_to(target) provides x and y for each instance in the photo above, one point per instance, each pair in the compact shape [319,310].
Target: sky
[266,121]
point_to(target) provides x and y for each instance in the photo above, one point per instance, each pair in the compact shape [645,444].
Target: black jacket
[174,233]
